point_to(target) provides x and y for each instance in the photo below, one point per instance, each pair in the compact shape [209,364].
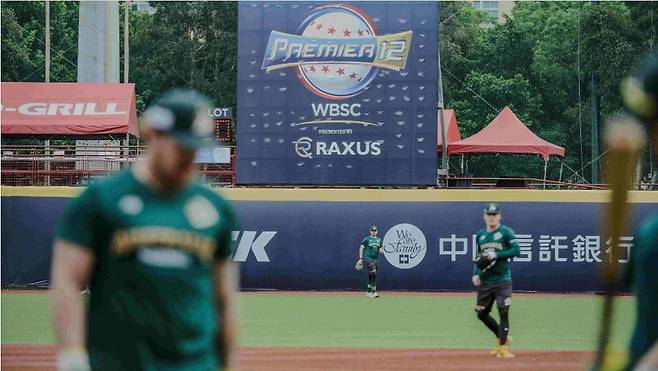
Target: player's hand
[73,359]
[359,265]
[476,280]
[491,254]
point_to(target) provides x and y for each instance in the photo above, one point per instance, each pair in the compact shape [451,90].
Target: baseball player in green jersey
[155,247]
[641,98]
[369,250]
[496,244]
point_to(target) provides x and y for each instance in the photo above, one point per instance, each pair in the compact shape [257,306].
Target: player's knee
[481,312]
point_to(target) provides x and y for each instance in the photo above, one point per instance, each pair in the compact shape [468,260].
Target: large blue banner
[337,93]
[313,245]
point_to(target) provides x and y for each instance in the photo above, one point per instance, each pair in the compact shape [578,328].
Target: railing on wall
[532,183]
[70,165]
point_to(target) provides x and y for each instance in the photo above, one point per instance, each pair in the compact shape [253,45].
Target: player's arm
[225,280]
[226,286]
[361,248]
[71,269]
[476,276]
[512,249]
[73,261]
[476,271]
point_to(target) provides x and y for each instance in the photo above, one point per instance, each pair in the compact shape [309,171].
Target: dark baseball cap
[373,227]
[183,114]
[492,209]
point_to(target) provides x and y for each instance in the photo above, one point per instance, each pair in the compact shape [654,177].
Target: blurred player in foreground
[493,278]
[369,250]
[641,97]
[154,246]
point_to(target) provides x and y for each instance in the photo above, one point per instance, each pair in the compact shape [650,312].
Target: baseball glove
[484,261]
[359,265]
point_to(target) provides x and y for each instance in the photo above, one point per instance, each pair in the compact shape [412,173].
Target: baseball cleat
[375,294]
[504,352]
[496,349]
[369,295]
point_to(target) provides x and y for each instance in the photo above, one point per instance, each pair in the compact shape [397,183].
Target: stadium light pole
[47,79]
[126,18]
[442,117]
[596,118]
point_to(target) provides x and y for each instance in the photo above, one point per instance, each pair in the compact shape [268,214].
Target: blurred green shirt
[642,276]
[151,305]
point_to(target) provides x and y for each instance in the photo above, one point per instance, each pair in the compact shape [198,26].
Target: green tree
[23,41]
[537,61]
[459,31]
[186,44]
[611,43]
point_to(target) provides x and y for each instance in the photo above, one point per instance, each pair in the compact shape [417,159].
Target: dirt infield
[41,357]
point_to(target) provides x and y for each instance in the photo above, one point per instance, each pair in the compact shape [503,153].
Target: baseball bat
[624,137]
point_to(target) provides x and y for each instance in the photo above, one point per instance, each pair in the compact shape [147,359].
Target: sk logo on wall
[337,51]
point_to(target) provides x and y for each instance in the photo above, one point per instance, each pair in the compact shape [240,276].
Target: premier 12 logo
[336,51]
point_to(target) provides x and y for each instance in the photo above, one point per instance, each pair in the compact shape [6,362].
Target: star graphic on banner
[353,75]
[331,30]
[325,69]
[340,71]
[360,32]
[319,26]
[312,68]
[347,33]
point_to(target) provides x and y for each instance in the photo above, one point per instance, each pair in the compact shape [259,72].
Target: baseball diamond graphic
[345,39]
[335,81]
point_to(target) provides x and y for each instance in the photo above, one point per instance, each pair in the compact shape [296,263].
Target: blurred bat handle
[625,138]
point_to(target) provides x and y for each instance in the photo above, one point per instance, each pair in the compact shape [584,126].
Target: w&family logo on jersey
[336,51]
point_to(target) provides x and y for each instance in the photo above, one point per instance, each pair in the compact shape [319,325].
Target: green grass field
[393,321]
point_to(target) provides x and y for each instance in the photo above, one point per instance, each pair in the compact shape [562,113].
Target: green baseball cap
[492,209]
[183,114]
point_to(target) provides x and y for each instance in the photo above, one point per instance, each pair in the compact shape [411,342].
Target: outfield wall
[308,239]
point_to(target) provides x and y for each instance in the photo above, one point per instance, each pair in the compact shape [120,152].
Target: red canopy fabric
[452,130]
[68,108]
[506,134]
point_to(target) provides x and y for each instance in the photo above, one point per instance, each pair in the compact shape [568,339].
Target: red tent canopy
[68,108]
[452,130]
[506,134]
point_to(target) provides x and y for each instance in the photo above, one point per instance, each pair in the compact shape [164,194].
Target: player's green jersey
[151,305]
[642,276]
[503,242]
[372,245]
